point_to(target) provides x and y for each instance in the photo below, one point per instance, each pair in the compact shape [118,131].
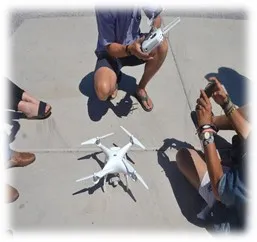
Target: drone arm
[124,149]
[104,149]
[132,170]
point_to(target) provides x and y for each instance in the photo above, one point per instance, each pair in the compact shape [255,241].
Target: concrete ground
[52,57]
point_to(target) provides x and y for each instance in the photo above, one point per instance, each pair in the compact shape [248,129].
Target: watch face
[207,135]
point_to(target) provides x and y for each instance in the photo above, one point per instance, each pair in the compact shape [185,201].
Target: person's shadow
[188,199]
[235,84]
[97,109]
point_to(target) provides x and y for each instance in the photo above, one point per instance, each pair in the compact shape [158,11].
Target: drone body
[115,161]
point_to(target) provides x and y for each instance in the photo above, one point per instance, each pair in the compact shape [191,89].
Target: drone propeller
[141,180]
[93,141]
[96,179]
[84,178]
[134,140]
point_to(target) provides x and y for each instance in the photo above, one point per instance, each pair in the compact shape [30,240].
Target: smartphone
[209,89]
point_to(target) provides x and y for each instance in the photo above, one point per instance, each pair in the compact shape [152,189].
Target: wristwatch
[207,138]
[207,126]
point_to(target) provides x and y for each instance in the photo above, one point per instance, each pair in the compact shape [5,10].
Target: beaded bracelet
[230,111]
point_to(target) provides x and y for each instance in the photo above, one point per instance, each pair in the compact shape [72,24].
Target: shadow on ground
[97,109]
[235,84]
[188,199]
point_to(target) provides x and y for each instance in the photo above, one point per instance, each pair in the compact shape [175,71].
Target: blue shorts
[115,64]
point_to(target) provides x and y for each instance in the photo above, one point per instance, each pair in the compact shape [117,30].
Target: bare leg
[151,68]
[191,165]
[105,83]
[223,123]
[12,194]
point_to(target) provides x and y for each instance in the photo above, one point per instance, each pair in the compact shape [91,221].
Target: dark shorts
[115,64]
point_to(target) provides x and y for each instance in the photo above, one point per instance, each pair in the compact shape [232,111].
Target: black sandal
[41,111]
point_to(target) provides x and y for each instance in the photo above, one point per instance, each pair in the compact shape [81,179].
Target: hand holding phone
[210,88]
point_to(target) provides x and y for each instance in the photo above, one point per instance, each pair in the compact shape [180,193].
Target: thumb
[140,40]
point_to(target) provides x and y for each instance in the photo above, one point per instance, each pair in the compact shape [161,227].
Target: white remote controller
[154,38]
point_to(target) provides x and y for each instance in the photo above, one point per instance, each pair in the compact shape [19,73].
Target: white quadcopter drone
[156,36]
[115,161]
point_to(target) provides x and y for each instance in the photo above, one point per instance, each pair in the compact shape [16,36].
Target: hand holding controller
[135,49]
[156,36]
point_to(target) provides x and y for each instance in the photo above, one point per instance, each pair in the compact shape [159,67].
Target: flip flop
[41,111]
[142,99]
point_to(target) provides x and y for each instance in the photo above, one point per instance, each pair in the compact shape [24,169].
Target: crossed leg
[30,105]
[191,165]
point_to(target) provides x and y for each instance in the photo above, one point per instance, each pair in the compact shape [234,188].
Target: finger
[213,78]
[140,40]
[204,96]
[218,85]
[144,56]
[198,107]
[217,82]
[202,102]
[150,58]
[218,93]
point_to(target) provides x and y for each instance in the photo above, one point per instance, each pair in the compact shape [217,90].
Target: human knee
[102,89]
[163,48]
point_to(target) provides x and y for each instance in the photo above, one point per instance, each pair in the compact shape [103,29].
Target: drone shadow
[188,199]
[97,108]
[100,184]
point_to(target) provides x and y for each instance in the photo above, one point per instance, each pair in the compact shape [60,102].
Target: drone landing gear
[126,178]
[104,187]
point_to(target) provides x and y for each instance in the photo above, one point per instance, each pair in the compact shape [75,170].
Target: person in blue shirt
[118,45]
[222,184]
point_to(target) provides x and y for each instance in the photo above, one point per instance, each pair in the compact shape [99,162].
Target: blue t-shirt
[120,26]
